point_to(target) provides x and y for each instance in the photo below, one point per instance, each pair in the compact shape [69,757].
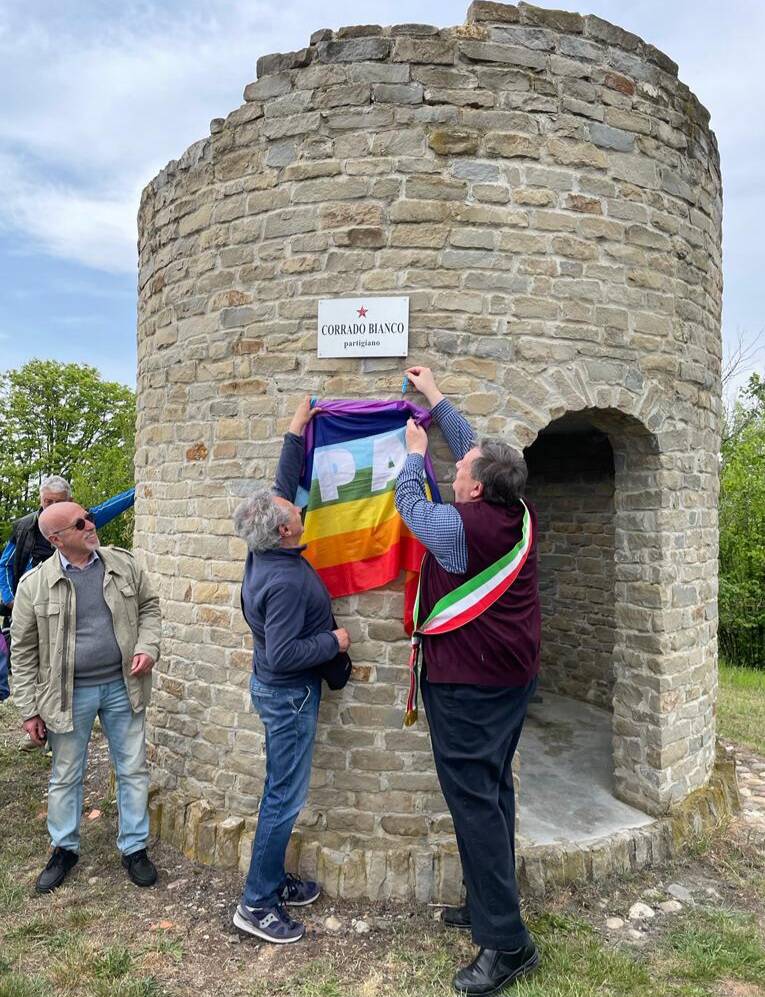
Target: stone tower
[547,194]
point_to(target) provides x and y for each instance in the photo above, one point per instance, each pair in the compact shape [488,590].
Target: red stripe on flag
[372,572]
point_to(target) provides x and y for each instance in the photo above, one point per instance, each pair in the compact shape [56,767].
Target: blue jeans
[125,733]
[289,716]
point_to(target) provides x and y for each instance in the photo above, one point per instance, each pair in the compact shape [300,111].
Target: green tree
[63,418]
[742,528]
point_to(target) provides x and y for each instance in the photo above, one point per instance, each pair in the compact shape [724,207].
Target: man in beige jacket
[85,636]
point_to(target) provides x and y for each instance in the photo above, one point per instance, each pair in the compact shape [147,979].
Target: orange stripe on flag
[356,545]
[359,576]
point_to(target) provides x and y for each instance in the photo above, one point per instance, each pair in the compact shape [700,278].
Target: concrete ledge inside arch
[567,793]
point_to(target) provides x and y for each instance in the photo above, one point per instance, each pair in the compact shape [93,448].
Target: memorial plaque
[363,327]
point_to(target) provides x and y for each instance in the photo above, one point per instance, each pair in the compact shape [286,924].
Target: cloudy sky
[97,96]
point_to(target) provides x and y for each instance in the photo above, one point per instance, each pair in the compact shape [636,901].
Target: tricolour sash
[464,604]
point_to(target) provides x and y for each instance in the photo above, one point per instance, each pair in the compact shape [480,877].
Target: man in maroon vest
[477,680]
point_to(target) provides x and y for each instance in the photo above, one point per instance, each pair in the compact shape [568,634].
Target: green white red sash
[464,604]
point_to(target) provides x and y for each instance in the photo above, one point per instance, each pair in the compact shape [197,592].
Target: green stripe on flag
[359,488]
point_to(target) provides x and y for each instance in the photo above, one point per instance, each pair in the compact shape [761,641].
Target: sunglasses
[78,524]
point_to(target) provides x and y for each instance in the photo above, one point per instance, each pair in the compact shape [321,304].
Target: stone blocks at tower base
[433,873]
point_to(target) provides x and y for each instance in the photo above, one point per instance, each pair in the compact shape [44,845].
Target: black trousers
[475,731]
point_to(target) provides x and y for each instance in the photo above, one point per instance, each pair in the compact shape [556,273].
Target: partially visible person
[85,636]
[28,547]
[5,690]
[477,678]
[289,612]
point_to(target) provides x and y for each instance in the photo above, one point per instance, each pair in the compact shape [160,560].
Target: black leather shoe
[57,869]
[491,971]
[457,917]
[140,868]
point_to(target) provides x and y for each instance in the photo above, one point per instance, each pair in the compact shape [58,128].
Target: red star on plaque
[362,312]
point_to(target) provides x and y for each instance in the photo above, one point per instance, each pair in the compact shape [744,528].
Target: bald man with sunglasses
[84,638]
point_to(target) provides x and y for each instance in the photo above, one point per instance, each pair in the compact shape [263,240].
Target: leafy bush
[742,530]
[62,418]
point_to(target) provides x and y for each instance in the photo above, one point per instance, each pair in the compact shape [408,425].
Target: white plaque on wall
[363,327]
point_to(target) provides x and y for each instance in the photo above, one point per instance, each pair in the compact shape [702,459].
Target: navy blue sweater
[284,601]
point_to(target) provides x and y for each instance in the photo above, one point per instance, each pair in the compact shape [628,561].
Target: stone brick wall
[571,482]
[547,193]
[207,836]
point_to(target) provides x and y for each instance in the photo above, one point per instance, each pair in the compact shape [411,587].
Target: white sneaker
[272,924]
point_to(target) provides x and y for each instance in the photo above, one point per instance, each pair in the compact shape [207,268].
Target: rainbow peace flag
[355,538]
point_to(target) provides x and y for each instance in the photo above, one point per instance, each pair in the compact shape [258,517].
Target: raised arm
[289,467]
[105,512]
[439,527]
[293,451]
[458,432]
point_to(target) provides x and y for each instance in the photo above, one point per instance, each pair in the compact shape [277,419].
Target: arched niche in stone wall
[598,481]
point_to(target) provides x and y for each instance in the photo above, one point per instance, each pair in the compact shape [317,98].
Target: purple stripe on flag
[351,419]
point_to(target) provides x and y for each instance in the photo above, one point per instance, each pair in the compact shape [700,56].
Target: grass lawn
[98,936]
[741,706]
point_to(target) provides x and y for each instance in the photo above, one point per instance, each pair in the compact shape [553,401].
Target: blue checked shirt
[438,526]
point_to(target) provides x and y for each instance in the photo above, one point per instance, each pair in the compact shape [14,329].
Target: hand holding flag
[303,415]
[424,381]
[354,537]
[416,438]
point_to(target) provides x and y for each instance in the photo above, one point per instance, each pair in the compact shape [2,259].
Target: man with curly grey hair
[289,612]
[258,518]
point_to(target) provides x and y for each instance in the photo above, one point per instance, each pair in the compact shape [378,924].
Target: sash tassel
[410,717]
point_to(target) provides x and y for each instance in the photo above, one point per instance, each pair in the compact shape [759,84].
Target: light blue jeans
[125,732]
[289,715]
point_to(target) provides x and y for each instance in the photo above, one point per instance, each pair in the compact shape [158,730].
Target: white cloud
[102,100]
[105,94]
[68,221]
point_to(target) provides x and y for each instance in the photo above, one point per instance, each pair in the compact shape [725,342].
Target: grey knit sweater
[97,656]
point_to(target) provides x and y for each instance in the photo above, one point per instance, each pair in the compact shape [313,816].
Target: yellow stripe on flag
[342,517]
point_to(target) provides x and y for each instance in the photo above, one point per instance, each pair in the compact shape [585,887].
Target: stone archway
[611,525]
[571,483]
[567,745]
